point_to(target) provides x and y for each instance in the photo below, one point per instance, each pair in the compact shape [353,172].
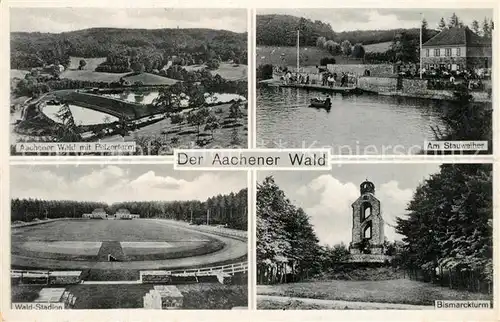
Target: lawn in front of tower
[403,291]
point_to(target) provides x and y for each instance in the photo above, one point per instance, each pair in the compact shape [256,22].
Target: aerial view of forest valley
[162,88]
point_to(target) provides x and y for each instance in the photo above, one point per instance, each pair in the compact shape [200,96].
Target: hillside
[34,49]
[378,47]
[281,30]
[287,56]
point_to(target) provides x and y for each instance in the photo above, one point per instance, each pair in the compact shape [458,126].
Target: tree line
[229,209]
[287,246]
[30,50]
[448,226]
[281,30]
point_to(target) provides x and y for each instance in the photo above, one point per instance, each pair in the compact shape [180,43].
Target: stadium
[81,252]
[177,254]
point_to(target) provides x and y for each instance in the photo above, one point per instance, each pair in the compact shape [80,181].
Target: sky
[115,183]
[326,197]
[345,19]
[56,20]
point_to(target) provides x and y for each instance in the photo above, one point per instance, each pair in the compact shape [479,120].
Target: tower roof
[367,187]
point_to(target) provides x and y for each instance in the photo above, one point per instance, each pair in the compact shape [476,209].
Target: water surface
[355,124]
[81,115]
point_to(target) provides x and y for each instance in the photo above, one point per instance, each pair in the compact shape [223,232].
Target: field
[150,79]
[196,296]
[83,242]
[17,73]
[231,72]
[92,63]
[184,135]
[287,56]
[378,48]
[402,291]
[225,70]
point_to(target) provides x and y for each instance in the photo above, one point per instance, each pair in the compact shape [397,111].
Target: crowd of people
[332,79]
[327,79]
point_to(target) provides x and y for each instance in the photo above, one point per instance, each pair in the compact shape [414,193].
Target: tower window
[366,211]
[367,232]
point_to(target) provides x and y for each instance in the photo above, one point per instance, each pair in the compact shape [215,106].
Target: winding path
[234,248]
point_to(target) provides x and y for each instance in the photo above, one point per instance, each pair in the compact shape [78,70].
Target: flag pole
[298,35]
[421,54]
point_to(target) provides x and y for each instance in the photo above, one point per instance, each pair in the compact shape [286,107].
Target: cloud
[115,183]
[347,19]
[331,212]
[67,19]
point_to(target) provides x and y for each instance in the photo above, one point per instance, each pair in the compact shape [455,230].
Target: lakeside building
[455,49]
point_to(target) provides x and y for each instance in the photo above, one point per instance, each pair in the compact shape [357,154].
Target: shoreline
[441,95]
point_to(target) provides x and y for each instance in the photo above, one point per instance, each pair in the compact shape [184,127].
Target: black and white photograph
[378,81]
[159,77]
[375,236]
[128,237]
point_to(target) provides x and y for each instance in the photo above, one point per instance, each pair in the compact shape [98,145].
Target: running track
[232,250]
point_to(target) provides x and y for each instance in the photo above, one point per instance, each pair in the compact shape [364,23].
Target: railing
[230,269]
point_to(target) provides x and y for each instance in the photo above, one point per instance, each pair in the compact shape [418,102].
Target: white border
[142,315]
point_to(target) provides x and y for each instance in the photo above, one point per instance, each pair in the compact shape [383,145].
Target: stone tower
[367,223]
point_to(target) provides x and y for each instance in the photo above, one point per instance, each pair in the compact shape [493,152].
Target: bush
[358,51]
[265,71]
[326,60]
[213,64]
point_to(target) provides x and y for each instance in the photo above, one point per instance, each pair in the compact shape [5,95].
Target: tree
[137,66]
[286,241]
[454,21]
[68,130]
[404,48]
[169,98]
[358,51]
[346,47]
[82,64]
[333,47]
[449,220]
[198,118]
[212,124]
[213,64]
[486,29]
[442,24]
[475,26]
[327,60]
[320,42]
[196,96]
[425,31]
[465,120]
[177,118]
[235,111]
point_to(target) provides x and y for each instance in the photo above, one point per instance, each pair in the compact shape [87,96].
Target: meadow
[402,291]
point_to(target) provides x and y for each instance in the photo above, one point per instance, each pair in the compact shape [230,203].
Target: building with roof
[123,213]
[455,49]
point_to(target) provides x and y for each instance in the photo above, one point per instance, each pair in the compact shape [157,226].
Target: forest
[229,209]
[447,233]
[153,47]
[449,226]
[281,30]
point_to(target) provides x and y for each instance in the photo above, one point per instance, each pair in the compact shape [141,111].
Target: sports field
[136,244]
